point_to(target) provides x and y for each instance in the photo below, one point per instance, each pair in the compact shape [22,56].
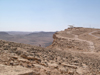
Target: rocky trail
[91,45]
[91,33]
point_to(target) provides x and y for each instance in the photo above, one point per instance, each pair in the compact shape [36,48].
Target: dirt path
[91,44]
[92,47]
[94,35]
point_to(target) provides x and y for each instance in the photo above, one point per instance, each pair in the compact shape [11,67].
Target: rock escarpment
[75,39]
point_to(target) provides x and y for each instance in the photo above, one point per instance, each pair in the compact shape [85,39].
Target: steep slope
[76,39]
[44,61]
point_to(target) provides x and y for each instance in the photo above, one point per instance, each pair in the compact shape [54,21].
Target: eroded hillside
[77,39]
[69,54]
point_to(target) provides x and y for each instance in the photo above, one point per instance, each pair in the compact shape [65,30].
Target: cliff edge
[76,39]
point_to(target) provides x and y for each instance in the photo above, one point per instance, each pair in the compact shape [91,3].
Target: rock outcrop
[76,39]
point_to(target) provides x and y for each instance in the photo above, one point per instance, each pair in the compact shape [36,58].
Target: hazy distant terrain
[33,38]
[18,33]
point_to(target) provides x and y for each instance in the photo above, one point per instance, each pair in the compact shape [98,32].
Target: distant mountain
[33,38]
[41,34]
[18,33]
[4,33]
[5,36]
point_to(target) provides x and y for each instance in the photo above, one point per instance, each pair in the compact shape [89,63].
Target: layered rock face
[76,39]
[64,43]
[59,59]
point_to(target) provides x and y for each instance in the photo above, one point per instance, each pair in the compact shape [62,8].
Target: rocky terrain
[77,39]
[71,53]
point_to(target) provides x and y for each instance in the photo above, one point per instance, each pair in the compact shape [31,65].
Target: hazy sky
[48,15]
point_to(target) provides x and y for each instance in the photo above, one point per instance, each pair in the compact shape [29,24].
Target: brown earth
[77,39]
[68,55]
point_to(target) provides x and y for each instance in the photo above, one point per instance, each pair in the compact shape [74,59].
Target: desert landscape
[49,37]
[33,38]
[74,51]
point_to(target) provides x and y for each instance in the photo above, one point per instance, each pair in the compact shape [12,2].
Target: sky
[48,15]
